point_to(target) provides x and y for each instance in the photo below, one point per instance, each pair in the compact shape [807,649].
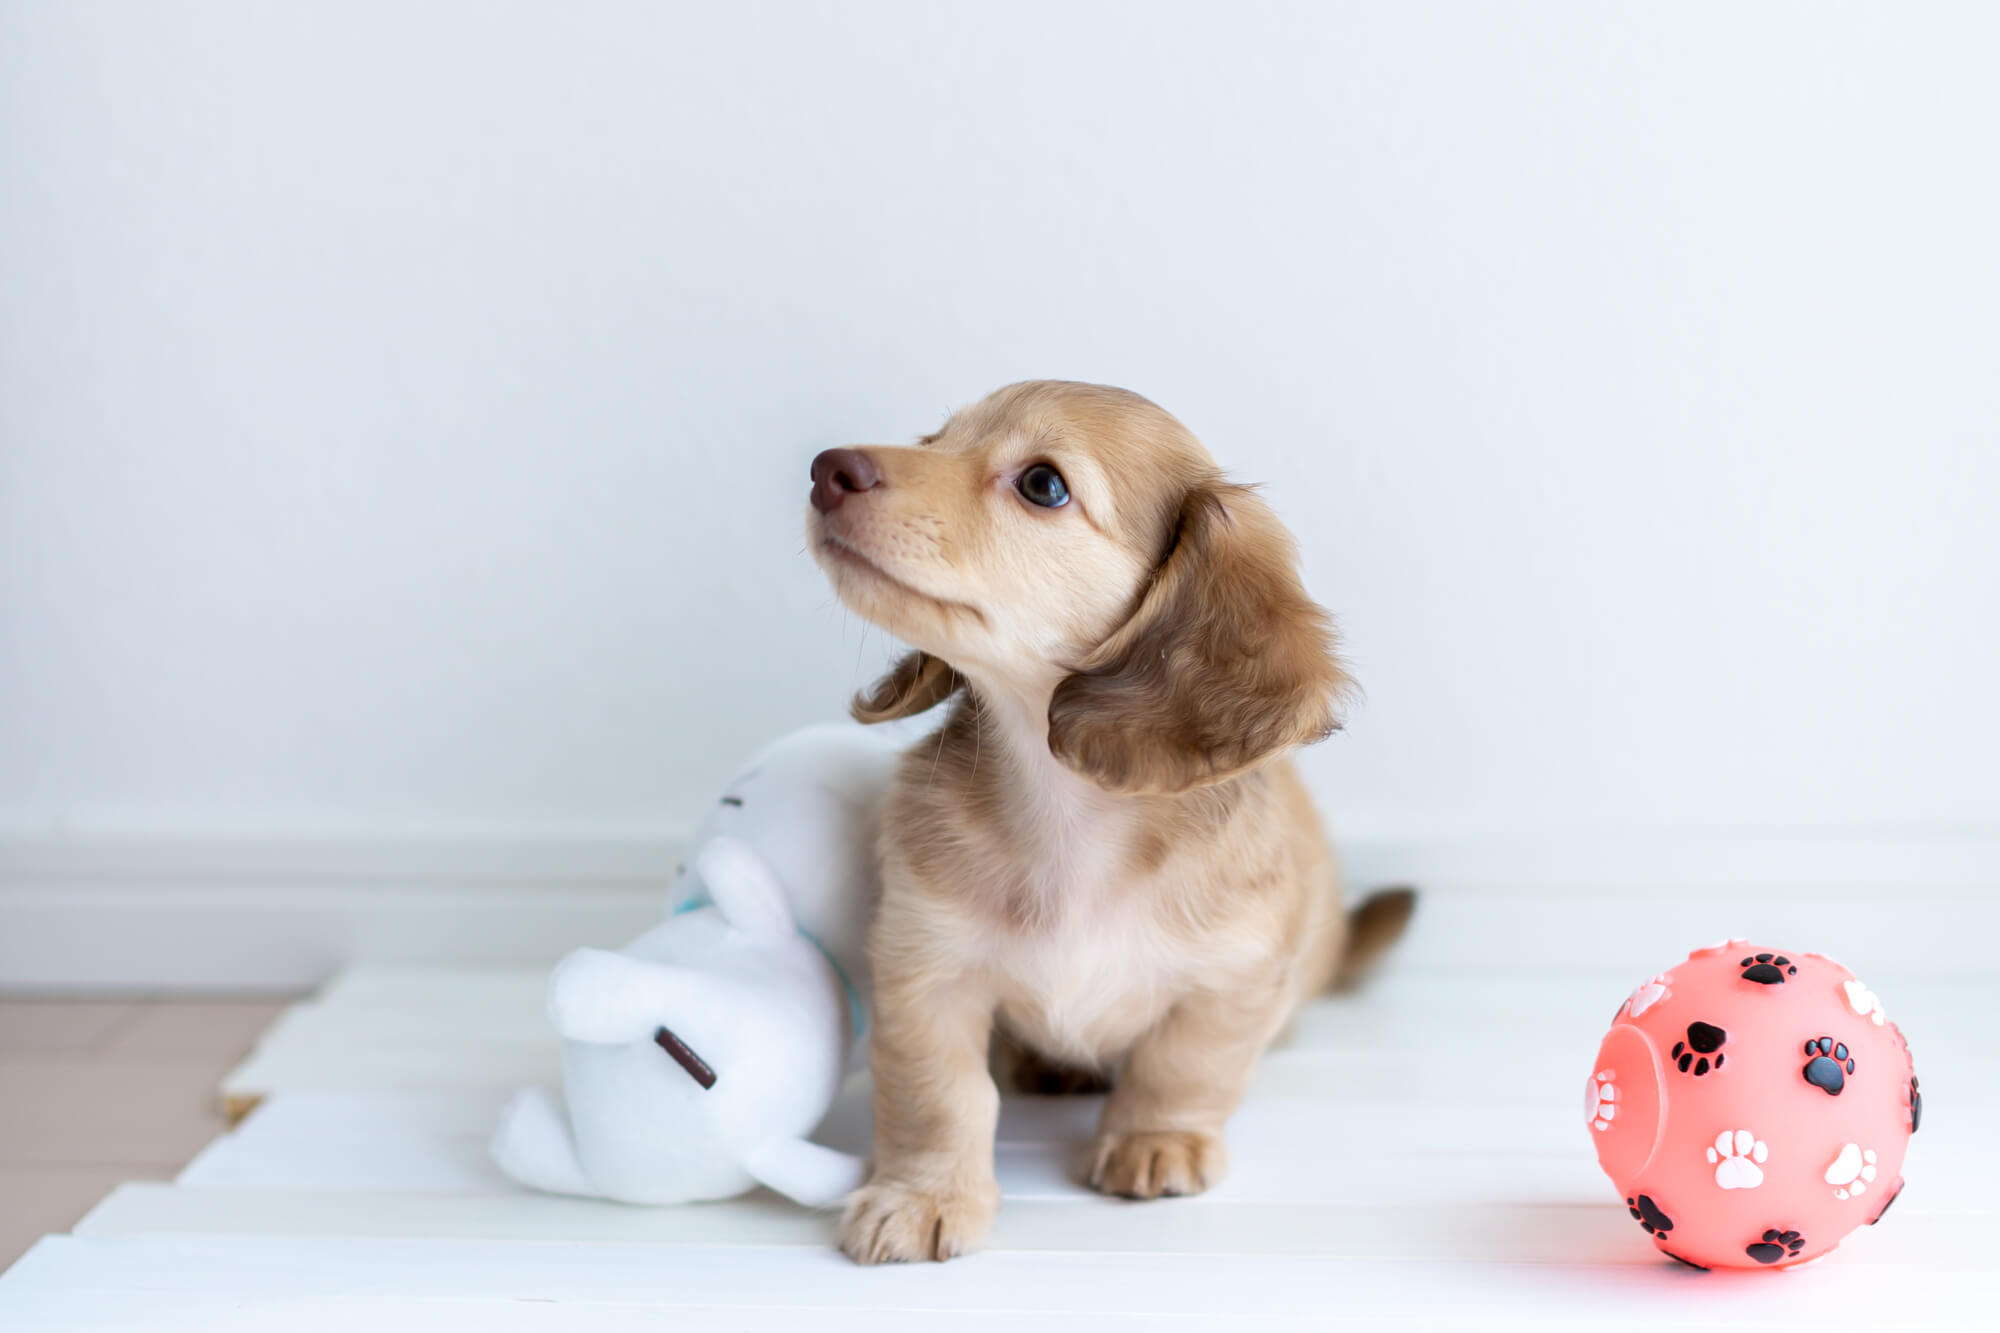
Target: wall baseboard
[282,914]
[275,914]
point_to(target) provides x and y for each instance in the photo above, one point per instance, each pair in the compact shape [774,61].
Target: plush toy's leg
[805,1172]
[533,1145]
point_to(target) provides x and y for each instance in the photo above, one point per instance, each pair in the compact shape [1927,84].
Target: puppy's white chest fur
[1092,965]
[1086,987]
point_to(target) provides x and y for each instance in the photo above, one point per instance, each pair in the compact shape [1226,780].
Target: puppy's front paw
[889,1223]
[1150,1163]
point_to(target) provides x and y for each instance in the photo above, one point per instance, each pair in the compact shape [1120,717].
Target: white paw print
[1864,1002]
[1737,1154]
[1600,1099]
[1648,995]
[1851,1172]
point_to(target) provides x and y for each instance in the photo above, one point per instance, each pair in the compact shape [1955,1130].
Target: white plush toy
[698,1058]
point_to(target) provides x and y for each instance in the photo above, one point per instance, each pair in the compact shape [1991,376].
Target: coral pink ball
[1753,1106]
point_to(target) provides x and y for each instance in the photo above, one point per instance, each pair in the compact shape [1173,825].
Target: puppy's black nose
[839,473]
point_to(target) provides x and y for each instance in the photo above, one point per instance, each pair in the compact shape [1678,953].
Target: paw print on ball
[1864,1002]
[1775,1245]
[1852,1172]
[1650,1217]
[1648,994]
[1738,1156]
[1768,969]
[1600,1100]
[1703,1040]
[1829,1066]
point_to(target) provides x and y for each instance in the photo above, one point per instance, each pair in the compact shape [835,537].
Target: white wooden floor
[1413,1156]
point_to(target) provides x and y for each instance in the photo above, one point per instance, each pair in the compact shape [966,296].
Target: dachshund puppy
[1104,856]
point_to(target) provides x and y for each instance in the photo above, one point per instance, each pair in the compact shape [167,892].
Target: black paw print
[1916,1105]
[1650,1217]
[1768,969]
[1776,1245]
[1829,1067]
[1703,1040]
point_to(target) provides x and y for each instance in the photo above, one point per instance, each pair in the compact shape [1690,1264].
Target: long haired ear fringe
[917,683]
[1225,663]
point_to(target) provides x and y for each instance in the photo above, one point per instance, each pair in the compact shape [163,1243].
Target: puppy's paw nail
[889,1223]
[1152,1164]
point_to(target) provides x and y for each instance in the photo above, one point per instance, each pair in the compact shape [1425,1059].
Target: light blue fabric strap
[857,1017]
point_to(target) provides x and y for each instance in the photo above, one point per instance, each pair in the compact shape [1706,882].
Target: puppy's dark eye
[1043,485]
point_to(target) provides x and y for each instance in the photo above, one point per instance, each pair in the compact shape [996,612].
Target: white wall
[404,409]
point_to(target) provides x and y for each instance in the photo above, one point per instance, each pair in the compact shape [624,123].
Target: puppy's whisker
[854,676]
[978,729]
[942,730]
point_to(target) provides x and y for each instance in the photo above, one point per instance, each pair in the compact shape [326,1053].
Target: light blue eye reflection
[1043,485]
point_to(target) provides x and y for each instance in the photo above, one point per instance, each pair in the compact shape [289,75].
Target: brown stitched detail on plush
[685,1057]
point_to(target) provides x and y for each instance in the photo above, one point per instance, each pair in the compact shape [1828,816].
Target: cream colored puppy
[1104,855]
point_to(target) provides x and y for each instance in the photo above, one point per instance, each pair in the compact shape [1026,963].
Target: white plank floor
[1412,1156]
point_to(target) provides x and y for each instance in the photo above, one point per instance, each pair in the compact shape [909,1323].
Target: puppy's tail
[1377,922]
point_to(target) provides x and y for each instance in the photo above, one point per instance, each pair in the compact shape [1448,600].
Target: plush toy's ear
[805,1172]
[749,895]
[916,683]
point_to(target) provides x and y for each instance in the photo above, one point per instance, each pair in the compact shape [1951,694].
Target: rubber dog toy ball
[1753,1107]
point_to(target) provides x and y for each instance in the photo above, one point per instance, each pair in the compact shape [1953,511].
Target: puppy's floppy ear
[916,683]
[1225,663]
